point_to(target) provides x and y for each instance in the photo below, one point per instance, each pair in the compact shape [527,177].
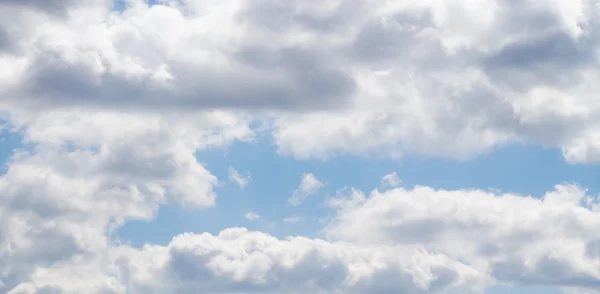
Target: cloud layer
[445,79]
[113,103]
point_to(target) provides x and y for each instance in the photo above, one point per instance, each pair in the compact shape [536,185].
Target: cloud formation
[252,216]
[238,260]
[114,104]
[294,219]
[550,240]
[391,180]
[308,186]
[89,172]
[239,179]
[444,79]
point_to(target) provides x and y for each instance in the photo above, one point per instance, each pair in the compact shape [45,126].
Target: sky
[343,146]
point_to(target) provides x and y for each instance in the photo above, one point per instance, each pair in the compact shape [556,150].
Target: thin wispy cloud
[391,181]
[294,219]
[252,216]
[239,179]
[309,185]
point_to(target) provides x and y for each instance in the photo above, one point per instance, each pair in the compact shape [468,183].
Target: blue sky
[353,146]
[525,170]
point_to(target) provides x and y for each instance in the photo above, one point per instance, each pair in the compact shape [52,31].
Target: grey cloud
[193,274]
[550,60]
[592,249]
[289,79]
[58,7]
[209,264]
[278,16]
[48,246]
[381,41]
[546,271]
[6,44]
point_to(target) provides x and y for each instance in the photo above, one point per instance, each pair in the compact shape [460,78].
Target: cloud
[55,7]
[422,240]
[308,186]
[190,70]
[114,105]
[391,181]
[252,216]
[294,219]
[434,79]
[237,259]
[89,172]
[239,179]
[472,85]
[517,239]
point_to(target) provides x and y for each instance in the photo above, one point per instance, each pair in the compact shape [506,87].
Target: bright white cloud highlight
[309,185]
[239,179]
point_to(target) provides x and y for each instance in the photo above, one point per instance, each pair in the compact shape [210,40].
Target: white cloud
[430,78]
[261,263]
[516,239]
[309,185]
[90,172]
[391,181]
[115,106]
[422,240]
[252,216]
[241,180]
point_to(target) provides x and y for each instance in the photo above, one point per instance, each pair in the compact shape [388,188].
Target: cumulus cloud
[421,240]
[516,239]
[113,106]
[130,59]
[252,216]
[236,177]
[89,172]
[445,79]
[239,259]
[308,186]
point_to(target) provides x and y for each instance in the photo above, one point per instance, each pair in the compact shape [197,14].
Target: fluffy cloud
[237,261]
[103,58]
[89,172]
[308,186]
[446,79]
[421,240]
[552,240]
[458,78]
[114,104]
